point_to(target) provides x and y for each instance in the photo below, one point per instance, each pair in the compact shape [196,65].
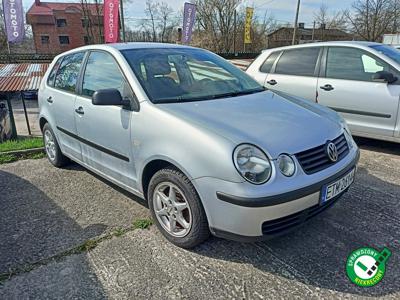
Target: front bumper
[245,218]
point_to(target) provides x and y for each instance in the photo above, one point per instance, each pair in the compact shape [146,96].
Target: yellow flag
[247,26]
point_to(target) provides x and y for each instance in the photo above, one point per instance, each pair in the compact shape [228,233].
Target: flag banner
[189,15]
[247,26]
[14,20]
[111,21]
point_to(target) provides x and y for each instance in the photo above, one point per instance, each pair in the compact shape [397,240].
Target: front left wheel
[177,208]
[53,151]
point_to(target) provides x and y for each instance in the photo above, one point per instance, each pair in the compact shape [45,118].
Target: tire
[185,194]
[53,151]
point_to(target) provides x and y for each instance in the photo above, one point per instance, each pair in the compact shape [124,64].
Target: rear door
[60,96]
[296,72]
[104,131]
[260,75]
[346,85]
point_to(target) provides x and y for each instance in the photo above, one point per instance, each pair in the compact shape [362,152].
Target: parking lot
[46,214]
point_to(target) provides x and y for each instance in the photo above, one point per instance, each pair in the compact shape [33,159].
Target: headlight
[286,165]
[252,163]
[349,138]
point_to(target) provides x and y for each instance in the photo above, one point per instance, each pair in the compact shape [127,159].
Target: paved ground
[45,212]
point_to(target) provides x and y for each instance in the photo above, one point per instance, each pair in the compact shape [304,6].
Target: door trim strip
[91,144]
[360,112]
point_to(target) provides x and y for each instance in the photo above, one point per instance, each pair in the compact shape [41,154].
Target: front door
[369,107]
[104,131]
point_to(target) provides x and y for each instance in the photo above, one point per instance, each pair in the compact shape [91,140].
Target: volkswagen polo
[207,147]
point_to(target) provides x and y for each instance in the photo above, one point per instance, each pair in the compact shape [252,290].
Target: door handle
[79,110]
[272,82]
[327,87]
[50,99]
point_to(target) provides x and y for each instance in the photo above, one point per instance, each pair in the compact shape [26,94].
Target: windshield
[182,75]
[388,51]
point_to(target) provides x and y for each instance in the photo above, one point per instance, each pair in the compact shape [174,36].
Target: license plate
[336,188]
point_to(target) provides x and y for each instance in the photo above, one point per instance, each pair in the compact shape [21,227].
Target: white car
[360,80]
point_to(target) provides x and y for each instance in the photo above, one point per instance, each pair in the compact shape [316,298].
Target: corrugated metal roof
[21,77]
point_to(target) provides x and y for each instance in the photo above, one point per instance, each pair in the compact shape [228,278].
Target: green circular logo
[366,266]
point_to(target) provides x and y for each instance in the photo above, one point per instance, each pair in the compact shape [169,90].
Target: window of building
[352,64]
[45,39]
[269,62]
[98,64]
[68,72]
[300,62]
[61,23]
[85,23]
[64,39]
[86,40]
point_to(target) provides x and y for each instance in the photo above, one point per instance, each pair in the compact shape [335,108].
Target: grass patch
[142,223]
[21,144]
[8,158]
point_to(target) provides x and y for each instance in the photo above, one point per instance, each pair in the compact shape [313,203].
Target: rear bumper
[257,218]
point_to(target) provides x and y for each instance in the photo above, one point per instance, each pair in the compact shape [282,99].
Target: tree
[334,20]
[92,23]
[151,11]
[3,38]
[371,19]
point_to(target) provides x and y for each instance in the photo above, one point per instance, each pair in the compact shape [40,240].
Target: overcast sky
[282,10]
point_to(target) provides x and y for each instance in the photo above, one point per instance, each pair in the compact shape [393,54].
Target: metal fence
[26,58]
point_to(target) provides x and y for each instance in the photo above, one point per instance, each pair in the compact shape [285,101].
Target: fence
[26,58]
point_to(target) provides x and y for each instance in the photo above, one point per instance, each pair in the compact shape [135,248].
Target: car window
[52,75]
[352,64]
[68,72]
[102,72]
[269,62]
[300,62]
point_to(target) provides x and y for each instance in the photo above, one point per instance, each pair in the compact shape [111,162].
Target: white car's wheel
[52,148]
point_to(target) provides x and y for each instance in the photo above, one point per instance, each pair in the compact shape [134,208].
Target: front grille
[315,159]
[281,225]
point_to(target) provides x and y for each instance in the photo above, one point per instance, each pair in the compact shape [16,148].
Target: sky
[282,10]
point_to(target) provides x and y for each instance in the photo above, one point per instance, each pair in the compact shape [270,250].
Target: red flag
[111,22]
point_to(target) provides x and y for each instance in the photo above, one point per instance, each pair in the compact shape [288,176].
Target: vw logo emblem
[332,152]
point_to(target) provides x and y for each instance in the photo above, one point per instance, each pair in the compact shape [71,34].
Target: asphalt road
[45,212]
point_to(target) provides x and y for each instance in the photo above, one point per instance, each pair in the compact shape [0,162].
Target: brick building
[284,35]
[58,27]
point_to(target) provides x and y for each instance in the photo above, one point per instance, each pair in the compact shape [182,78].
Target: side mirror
[109,97]
[384,76]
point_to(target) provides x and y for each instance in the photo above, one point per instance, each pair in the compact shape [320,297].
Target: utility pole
[122,20]
[234,32]
[295,23]
[313,31]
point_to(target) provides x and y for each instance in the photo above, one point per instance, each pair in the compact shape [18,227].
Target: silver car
[360,80]
[205,144]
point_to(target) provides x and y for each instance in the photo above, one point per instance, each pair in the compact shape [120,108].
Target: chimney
[37,2]
[301,25]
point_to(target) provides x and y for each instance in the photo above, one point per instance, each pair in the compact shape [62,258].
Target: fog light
[286,165]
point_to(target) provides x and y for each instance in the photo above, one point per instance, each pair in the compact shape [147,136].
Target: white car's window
[100,63]
[269,62]
[180,74]
[300,62]
[352,64]
[388,51]
[68,72]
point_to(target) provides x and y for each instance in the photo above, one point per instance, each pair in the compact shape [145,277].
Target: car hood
[278,123]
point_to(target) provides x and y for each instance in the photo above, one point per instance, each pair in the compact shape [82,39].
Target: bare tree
[165,13]
[370,19]
[151,11]
[331,20]
[3,38]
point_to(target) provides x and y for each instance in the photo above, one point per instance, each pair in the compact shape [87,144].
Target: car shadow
[315,254]
[33,228]
[378,146]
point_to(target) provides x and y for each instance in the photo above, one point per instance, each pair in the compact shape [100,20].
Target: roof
[361,44]
[308,31]
[47,8]
[21,77]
